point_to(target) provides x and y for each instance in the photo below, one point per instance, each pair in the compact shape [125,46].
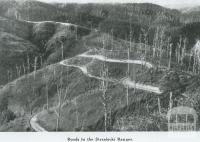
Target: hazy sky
[166,3]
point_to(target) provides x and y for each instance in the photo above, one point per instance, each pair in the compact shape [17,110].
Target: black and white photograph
[99,66]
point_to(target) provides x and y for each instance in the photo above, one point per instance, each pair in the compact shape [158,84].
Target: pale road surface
[126,82]
[39,22]
[34,124]
[102,58]
[34,120]
[61,23]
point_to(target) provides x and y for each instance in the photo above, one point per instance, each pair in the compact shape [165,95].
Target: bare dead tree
[161,46]
[179,50]
[77,118]
[170,57]
[183,51]
[160,59]
[127,95]
[104,97]
[112,39]
[62,99]
[128,67]
[170,101]
[76,30]
[159,106]
[190,59]
[35,66]
[24,69]
[145,46]
[168,47]
[155,42]
[18,70]
[54,72]
[41,61]
[8,75]
[47,94]
[59,93]
[28,64]
[46,90]
[140,41]
[194,64]
[62,50]
[147,106]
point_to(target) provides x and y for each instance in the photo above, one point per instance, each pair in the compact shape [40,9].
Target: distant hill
[190,9]
[189,31]
[190,14]
[89,15]
[115,19]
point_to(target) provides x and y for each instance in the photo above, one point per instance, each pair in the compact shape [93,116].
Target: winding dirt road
[35,125]
[126,82]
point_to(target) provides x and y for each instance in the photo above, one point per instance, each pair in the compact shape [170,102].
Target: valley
[96,67]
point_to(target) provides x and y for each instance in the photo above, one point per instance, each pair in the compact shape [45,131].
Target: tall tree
[103,88]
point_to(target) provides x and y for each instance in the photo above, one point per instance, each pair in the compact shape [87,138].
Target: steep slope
[80,93]
[18,28]
[79,88]
[13,54]
[15,46]
[46,41]
[35,85]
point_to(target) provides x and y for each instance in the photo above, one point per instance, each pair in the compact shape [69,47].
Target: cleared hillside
[26,44]
[81,94]
[95,67]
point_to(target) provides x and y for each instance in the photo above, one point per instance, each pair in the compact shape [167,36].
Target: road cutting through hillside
[61,23]
[34,124]
[125,82]
[34,120]
[103,58]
